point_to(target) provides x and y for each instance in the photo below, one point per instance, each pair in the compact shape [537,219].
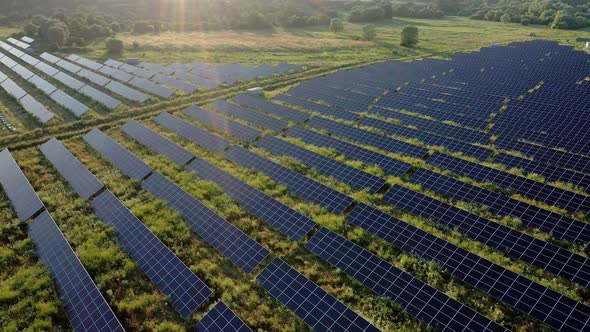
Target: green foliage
[525,21]
[114,46]
[369,32]
[505,18]
[417,10]
[336,25]
[31,29]
[142,27]
[409,36]
[366,14]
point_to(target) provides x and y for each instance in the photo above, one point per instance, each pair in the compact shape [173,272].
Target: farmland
[386,107]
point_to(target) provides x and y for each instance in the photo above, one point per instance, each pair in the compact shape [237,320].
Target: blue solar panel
[17,187]
[542,303]
[317,108]
[368,138]
[185,290]
[286,220]
[221,319]
[255,118]
[226,125]
[544,255]
[315,306]
[298,184]
[424,302]
[272,108]
[157,142]
[191,132]
[79,178]
[352,152]
[236,245]
[325,165]
[126,161]
[85,306]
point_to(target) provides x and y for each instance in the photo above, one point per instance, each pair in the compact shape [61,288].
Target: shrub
[142,27]
[114,46]
[409,36]
[505,18]
[525,21]
[369,32]
[31,29]
[336,25]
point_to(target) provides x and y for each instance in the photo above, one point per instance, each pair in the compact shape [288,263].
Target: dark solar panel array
[534,190]
[104,99]
[352,152]
[255,118]
[93,77]
[186,291]
[70,103]
[298,184]
[540,302]
[421,300]
[272,108]
[541,254]
[166,80]
[85,306]
[79,178]
[221,319]
[126,92]
[126,161]
[315,306]
[342,172]
[18,189]
[557,225]
[368,138]
[429,139]
[234,244]
[226,125]
[157,142]
[191,132]
[286,220]
[317,108]
[152,87]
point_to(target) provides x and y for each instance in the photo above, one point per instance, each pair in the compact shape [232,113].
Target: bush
[369,32]
[366,14]
[525,21]
[409,36]
[116,27]
[142,27]
[31,29]
[336,25]
[505,18]
[114,46]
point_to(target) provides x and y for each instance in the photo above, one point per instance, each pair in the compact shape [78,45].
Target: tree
[409,36]
[369,32]
[142,27]
[58,34]
[505,18]
[114,46]
[31,29]
[336,25]
[525,21]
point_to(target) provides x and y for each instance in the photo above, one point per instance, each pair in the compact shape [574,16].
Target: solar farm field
[422,195]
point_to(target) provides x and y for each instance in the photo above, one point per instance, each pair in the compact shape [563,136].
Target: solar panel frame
[69,81]
[243,132]
[126,92]
[260,104]
[318,308]
[89,63]
[152,87]
[72,68]
[23,72]
[69,103]
[84,183]
[18,189]
[183,86]
[49,57]
[47,69]
[102,98]
[13,89]
[255,118]
[35,108]
[42,84]
[7,61]
[93,77]
[221,319]
[84,305]
[186,291]
[116,73]
[29,59]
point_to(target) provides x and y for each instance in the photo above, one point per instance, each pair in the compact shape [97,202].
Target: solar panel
[421,300]
[72,68]
[352,152]
[22,72]
[186,87]
[93,77]
[257,119]
[42,84]
[226,125]
[73,57]
[272,108]
[7,61]
[315,306]
[89,63]
[79,178]
[27,39]
[36,109]
[297,183]
[157,68]
[186,291]
[151,87]
[368,138]
[104,99]
[116,74]
[221,319]
[237,246]
[18,189]
[286,220]
[157,142]
[69,103]
[122,158]
[16,52]
[47,69]
[48,57]
[136,71]
[2,77]
[191,132]
[559,226]
[68,81]
[5,46]
[342,172]
[534,299]
[29,59]
[13,89]
[127,92]
[113,63]
[211,84]
[85,306]
[541,254]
